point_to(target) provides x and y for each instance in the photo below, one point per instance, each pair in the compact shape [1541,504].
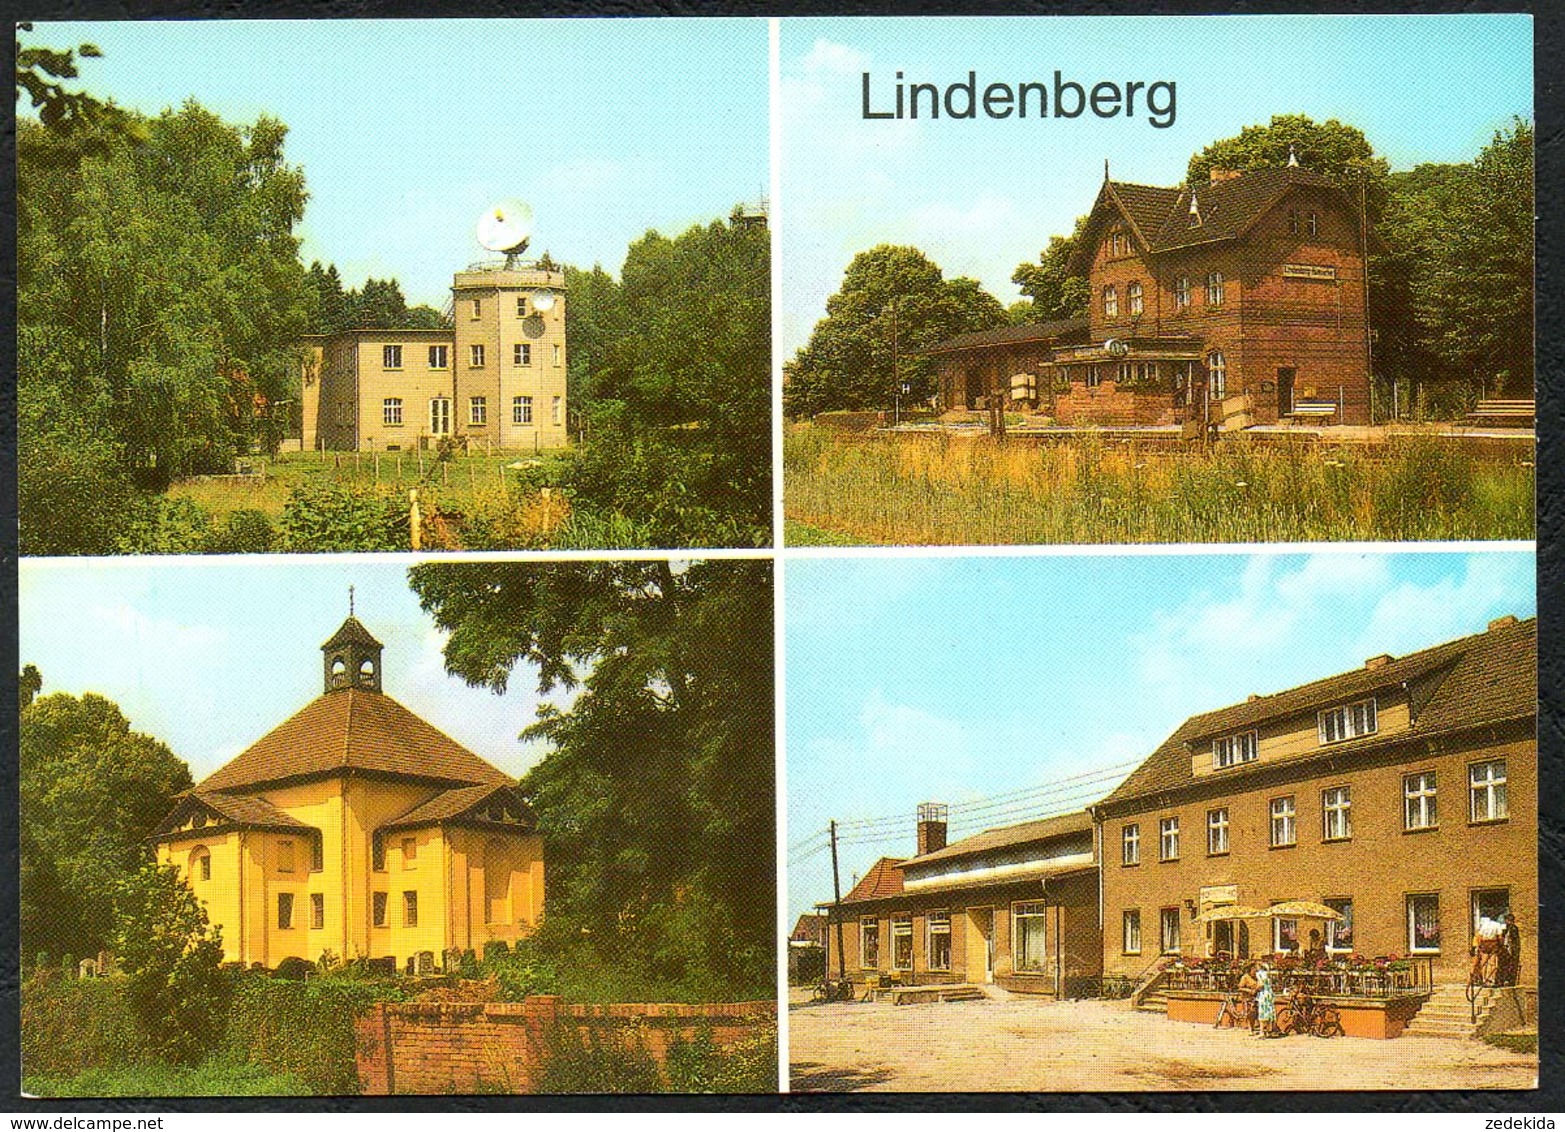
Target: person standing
[1266,1003]
[1510,964]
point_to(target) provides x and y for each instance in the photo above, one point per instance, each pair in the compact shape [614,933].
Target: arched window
[200,865]
[1110,302]
[497,882]
[1217,372]
[1133,297]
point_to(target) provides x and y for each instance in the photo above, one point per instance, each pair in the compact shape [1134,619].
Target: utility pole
[836,904]
[896,375]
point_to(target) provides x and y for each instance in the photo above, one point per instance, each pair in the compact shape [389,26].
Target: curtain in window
[1029,950]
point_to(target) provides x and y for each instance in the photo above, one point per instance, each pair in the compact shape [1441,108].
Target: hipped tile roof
[353,730]
[457,803]
[1005,837]
[352,632]
[1060,330]
[883,879]
[1489,677]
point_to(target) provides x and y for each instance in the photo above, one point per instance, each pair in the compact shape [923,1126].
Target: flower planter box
[1361,1017]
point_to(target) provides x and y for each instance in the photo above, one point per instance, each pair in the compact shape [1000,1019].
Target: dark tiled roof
[1487,677]
[458,803]
[883,879]
[1007,836]
[352,632]
[1228,208]
[242,810]
[1146,206]
[354,729]
[1065,329]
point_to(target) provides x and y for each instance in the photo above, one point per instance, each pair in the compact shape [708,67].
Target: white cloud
[824,56]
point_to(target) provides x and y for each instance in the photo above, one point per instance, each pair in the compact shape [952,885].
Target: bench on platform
[1507,411]
[1313,409]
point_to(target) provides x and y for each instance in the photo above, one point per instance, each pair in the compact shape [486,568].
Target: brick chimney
[1217,175]
[1502,622]
[1378,661]
[931,827]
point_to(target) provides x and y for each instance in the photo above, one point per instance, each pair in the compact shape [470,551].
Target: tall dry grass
[927,490]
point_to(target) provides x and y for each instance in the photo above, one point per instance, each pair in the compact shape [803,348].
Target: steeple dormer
[351,659]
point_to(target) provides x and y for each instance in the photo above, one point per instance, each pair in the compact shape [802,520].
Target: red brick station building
[1234,303]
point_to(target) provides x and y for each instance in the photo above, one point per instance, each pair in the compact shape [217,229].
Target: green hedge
[73,1025]
[304,1029]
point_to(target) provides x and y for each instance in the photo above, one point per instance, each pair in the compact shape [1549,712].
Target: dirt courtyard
[1028,1045]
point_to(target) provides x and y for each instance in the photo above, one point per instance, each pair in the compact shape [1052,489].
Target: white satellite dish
[506,227]
[543,301]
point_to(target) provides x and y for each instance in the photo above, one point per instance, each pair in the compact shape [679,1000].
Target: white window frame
[439,357]
[1110,301]
[1130,844]
[1215,291]
[1277,934]
[1283,810]
[1473,897]
[1030,910]
[556,357]
[1217,831]
[1412,932]
[902,933]
[1336,810]
[391,412]
[1232,750]
[1164,920]
[475,355]
[1493,789]
[1312,222]
[869,928]
[1135,299]
[1168,838]
[391,357]
[1217,374]
[1130,931]
[1182,292]
[1420,791]
[937,923]
[440,416]
[522,410]
[478,410]
[1293,222]
[522,354]
[1343,722]
[1340,904]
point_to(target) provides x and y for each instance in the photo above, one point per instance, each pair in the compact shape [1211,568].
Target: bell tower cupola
[351,659]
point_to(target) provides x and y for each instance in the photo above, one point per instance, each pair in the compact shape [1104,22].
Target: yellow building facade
[355,827]
[496,376]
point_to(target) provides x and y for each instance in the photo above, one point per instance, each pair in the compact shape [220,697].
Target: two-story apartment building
[1016,906]
[358,828]
[497,375]
[1242,299]
[1402,794]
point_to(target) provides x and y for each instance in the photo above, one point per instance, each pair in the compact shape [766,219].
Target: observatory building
[356,827]
[497,375]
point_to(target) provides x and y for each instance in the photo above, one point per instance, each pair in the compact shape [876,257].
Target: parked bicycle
[1238,1011]
[833,990]
[1300,1013]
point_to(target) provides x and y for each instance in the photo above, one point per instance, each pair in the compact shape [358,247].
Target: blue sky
[408,129]
[961,679]
[210,654]
[982,196]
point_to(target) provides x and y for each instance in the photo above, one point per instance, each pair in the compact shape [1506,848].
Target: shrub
[71,497]
[495,950]
[328,517]
[158,524]
[73,1025]
[245,531]
[599,1060]
[304,1029]
[700,1065]
[292,967]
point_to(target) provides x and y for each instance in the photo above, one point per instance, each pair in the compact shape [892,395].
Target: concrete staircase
[1447,1014]
[1153,1002]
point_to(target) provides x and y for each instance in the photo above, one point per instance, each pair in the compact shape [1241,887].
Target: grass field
[932,490]
[216,1078]
[455,484]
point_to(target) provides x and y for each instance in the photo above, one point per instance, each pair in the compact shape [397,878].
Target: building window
[1490,904]
[285,856]
[1133,298]
[1282,822]
[522,354]
[284,910]
[344,413]
[1336,808]
[391,411]
[201,863]
[1214,288]
[1487,791]
[1168,920]
[1131,932]
[391,357]
[1293,221]
[478,308]
[556,356]
[938,945]
[521,410]
[869,942]
[1110,301]
[521,306]
[1182,292]
[1094,376]
[1423,923]
[1217,831]
[1217,370]
[1285,934]
[1231,750]
[378,853]
[440,415]
[317,910]
[409,851]
[1130,844]
[1339,933]
[1350,721]
[478,410]
[1168,839]
[902,943]
[1312,223]
[1028,950]
[317,854]
[475,355]
[559,410]
[378,908]
[1418,801]
[438,357]
[410,909]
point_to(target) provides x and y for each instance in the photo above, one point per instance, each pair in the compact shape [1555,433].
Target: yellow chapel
[358,828]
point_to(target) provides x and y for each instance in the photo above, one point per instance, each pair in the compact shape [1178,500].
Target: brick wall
[480,1046]
[1107,404]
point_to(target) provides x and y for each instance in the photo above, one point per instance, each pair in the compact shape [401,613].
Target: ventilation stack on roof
[1502,622]
[1378,661]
